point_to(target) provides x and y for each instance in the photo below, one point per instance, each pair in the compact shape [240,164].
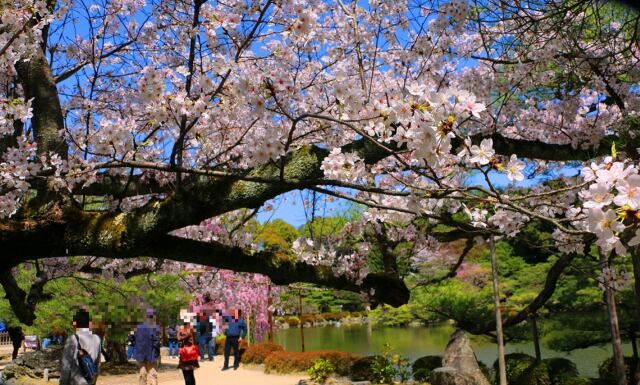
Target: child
[188,354]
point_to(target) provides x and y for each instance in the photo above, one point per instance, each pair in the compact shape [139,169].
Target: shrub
[423,367]
[361,369]
[256,354]
[536,374]
[401,367]
[287,362]
[607,370]
[576,381]
[560,370]
[523,369]
[220,340]
[382,370]
[321,370]
[293,321]
[516,364]
[392,316]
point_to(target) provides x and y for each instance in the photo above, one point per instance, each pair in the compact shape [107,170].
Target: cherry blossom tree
[126,123]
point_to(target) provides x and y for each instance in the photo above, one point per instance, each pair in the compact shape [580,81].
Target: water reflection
[415,342]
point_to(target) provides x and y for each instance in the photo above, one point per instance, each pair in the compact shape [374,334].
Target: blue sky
[290,207]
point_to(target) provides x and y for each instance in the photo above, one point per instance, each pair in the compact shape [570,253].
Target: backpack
[87,366]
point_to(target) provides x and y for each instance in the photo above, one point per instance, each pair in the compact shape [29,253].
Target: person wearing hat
[147,350]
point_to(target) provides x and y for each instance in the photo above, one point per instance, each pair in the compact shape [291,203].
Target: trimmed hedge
[536,374]
[607,370]
[257,353]
[361,369]
[423,367]
[220,340]
[287,362]
[561,370]
[522,369]
[516,364]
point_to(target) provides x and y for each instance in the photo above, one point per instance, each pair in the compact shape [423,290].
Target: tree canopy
[148,131]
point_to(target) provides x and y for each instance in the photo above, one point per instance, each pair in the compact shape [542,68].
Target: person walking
[236,330]
[205,333]
[172,335]
[188,353]
[215,331]
[17,336]
[131,344]
[81,354]
[147,350]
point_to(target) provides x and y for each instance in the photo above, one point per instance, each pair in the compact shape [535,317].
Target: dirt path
[210,373]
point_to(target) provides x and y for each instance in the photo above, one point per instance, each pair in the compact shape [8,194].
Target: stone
[33,364]
[460,356]
[450,376]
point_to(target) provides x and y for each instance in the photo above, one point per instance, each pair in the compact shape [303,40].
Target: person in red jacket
[188,353]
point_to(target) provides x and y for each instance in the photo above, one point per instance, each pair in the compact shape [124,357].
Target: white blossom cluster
[345,167]
[612,196]
[351,265]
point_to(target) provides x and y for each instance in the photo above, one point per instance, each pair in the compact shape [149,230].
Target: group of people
[81,355]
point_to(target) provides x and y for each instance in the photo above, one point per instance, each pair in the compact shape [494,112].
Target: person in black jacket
[172,335]
[205,329]
[17,336]
[131,344]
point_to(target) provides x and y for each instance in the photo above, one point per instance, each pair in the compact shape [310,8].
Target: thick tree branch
[38,83]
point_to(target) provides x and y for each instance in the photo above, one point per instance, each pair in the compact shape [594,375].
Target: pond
[415,342]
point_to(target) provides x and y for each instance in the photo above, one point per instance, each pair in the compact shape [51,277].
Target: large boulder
[450,376]
[33,364]
[459,356]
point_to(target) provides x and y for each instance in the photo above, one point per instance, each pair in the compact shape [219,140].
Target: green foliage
[382,370]
[455,299]
[392,316]
[402,367]
[361,369]
[323,226]
[536,374]
[607,370]
[327,301]
[534,242]
[387,367]
[423,367]
[516,365]
[277,236]
[523,369]
[561,370]
[287,362]
[321,370]
[115,307]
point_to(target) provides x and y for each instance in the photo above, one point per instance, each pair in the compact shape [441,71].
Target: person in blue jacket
[236,330]
[147,350]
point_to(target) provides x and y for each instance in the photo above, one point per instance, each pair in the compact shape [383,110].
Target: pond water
[415,342]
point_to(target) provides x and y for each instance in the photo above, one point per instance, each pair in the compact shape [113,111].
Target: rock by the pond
[459,364]
[33,364]
[450,376]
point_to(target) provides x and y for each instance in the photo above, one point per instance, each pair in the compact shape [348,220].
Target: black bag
[88,367]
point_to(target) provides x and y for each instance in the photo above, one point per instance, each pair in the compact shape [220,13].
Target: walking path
[208,373]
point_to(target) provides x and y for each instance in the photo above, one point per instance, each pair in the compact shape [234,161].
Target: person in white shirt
[215,331]
[70,373]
